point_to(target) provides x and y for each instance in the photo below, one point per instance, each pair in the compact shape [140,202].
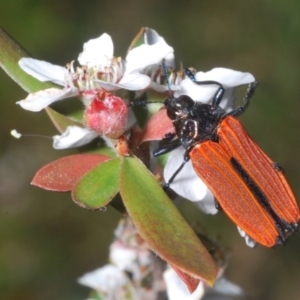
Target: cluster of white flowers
[149,276]
[99,69]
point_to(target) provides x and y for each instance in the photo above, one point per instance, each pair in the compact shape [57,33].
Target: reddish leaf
[191,282]
[157,127]
[62,174]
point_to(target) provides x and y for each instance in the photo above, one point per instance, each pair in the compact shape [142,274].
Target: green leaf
[99,186]
[73,108]
[10,53]
[60,121]
[160,224]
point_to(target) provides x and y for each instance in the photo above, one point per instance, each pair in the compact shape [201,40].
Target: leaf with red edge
[191,282]
[157,127]
[62,175]
[160,224]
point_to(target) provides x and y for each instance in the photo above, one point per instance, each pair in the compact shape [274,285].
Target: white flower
[97,53]
[230,79]
[74,136]
[177,290]
[187,183]
[223,289]
[131,259]
[107,279]
[124,258]
[100,69]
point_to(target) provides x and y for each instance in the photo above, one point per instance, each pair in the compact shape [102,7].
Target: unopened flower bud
[106,114]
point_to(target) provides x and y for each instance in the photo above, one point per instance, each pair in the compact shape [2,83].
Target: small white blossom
[99,69]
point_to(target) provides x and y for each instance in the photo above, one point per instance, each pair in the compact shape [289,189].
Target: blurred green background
[46,241]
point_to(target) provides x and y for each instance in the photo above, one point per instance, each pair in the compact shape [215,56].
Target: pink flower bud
[106,114]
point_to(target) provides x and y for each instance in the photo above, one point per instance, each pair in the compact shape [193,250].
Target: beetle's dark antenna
[144,102]
[141,102]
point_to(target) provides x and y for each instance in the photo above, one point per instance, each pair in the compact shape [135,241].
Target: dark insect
[249,187]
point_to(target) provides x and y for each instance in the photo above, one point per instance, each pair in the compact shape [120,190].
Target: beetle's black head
[178,107]
[184,106]
[193,121]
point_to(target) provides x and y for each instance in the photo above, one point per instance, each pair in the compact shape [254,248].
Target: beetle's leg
[218,95]
[249,93]
[169,136]
[186,158]
[167,185]
[167,147]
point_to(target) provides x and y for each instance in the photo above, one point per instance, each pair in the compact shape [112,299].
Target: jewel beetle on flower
[248,186]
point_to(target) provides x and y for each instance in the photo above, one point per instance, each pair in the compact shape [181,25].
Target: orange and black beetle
[248,186]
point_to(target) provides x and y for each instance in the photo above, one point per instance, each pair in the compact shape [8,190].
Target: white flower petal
[207,204]
[43,71]
[132,82]
[225,287]
[177,290]
[241,231]
[151,37]
[161,88]
[106,279]
[74,136]
[228,99]
[202,93]
[227,77]
[41,99]
[205,93]
[187,183]
[97,52]
[146,55]
[122,257]
[249,241]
